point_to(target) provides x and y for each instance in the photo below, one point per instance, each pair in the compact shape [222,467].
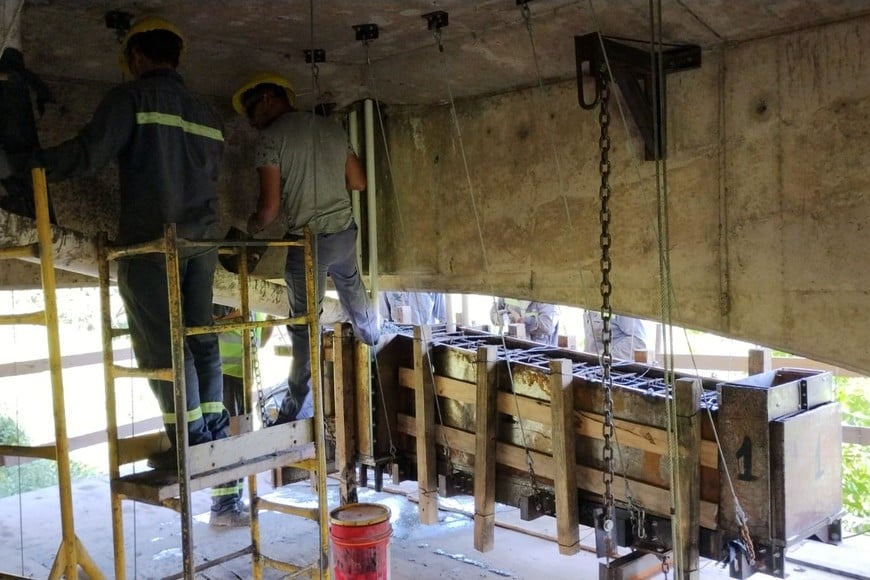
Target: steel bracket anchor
[119,21]
[366,32]
[314,55]
[436,20]
[631,69]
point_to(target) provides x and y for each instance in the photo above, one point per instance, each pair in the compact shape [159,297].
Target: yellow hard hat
[265,78]
[145,25]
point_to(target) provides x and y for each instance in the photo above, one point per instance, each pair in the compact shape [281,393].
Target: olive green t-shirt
[311,152]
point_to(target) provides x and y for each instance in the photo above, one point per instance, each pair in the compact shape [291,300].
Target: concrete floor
[152,537]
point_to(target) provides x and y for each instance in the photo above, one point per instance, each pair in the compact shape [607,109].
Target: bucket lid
[359,514]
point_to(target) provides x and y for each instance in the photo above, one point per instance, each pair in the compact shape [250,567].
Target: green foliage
[38,474]
[852,395]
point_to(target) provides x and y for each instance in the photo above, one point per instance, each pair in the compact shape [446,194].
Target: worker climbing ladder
[298,443]
[71,554]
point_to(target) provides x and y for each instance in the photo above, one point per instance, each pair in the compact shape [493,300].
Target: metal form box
[781,439]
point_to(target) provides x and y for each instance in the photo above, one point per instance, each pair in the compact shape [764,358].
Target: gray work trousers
[143,288]
[335,255]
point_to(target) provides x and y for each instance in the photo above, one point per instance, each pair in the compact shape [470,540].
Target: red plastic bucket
[360,537]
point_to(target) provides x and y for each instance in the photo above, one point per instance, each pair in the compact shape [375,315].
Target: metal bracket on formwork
[314,55]
[436,20]
[366,32]
[630,67]
[119,21]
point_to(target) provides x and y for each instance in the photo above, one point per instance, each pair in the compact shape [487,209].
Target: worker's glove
[5,164]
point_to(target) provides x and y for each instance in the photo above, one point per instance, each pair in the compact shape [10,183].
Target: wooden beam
[345,417]
[564,456]
[687,515]
[856,435]
[486,421]
[654,499]
[759,361]
[363,400]
[644,437]
[424,400]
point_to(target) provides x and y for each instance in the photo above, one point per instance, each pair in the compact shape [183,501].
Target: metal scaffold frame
[71,554]
[298,443]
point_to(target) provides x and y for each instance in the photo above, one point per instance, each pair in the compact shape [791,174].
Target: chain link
[255,373]
[606,310]
[666,567]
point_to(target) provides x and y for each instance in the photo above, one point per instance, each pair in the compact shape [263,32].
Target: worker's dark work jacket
[168,144]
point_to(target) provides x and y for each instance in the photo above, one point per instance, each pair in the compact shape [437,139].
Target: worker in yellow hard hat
[306,166]
[169,144]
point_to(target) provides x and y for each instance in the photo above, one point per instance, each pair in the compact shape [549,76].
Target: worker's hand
[5,164]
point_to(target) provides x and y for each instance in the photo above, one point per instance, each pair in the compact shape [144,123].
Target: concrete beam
[77,254]
[767,186]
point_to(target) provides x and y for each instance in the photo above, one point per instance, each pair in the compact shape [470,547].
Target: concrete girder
[77,253]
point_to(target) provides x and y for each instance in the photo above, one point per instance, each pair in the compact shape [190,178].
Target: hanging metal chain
[255,373]
[606,310]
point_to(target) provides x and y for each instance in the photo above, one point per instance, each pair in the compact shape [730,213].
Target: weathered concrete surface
[766,168]
[487,44]
[77,253]
[767,183]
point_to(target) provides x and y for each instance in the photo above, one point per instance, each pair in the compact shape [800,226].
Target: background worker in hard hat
[541,321]
[231,356]
[306,166]
[168,144]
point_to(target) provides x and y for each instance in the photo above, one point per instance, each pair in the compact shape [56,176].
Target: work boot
[164,460]
[236,516]
[389,331]
[289,409]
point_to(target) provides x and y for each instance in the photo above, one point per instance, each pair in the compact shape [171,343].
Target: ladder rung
[287,568]
[37,317]
[239,326]
[291,510]
[28,251]
[116,332]
[152,247]
[306,464]
[122,372]
[35,451]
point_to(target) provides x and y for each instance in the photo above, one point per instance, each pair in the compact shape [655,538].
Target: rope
[7,33]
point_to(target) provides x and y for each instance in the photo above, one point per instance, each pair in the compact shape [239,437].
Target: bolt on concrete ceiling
[488,45]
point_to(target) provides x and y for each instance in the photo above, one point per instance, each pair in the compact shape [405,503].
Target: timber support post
[486,422]
[345,423]
[687,398]
[564,458]
[424,400]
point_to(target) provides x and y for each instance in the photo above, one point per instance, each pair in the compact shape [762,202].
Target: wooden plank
[653,499]
[160,487]
[687,515]
[564,439]
[589,424]
[363,399]
[486,422]
[424,400]
[856,435]
[758,361]
[844,560]
[345,417]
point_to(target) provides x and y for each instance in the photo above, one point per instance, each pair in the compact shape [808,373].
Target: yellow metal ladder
[71,554]
[299,443]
